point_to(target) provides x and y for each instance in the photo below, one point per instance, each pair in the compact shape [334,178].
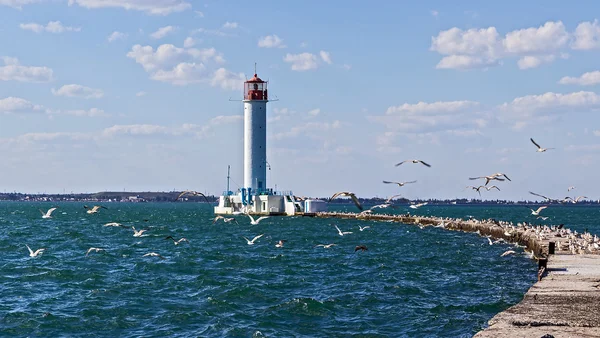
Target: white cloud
[199,14]
[135,130]
[17,105]
[140,94]
[75,90]
[314,112]
[461,118]
[308,129]
[325,56]
[17,3]
[587,79]
[167,56]
[301,62]
[271,41]
[114,36]
[154,7]
[482,48]
[230,25]
[92,112]
[189,42]
[587,36]
[52,27]
[215,32]
[527,62]
[547,38]
[13,71]
[182,74]
[227,80]
[434,13]
[162,32]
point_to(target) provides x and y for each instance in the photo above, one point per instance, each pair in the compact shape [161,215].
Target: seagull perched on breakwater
[251,242]
[414,161]
[255,222]
[36,252]
[47,214]
[94,209]
[193,193]
[342,233]
[400,184]
[352,196]
[176,242]
[417,206]
[540,149]
[93,249]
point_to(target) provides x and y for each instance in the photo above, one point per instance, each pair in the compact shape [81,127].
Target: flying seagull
[475,188]
[176,242]
[389,200]
[94,209]
[540,149]
[346,193]
[153,254]
[570,188]
[251,242]
[280,243]
[342,233]
[400,184]
[225,219]
[544,197]
[93,249]
[114,224]
[36,252]
[417,206]
[537,212]
[47,214]
[363,228]
[193,193]
[361,247]
[413,161]
[578,199]
[326,246]
[506,253]
[255,222]
[496,177]
[137,233]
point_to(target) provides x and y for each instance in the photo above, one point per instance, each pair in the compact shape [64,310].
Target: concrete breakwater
[565,302]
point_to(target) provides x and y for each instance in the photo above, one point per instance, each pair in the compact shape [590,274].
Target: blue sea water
[411,282]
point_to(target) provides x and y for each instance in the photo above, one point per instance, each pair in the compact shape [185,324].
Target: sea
[411,282]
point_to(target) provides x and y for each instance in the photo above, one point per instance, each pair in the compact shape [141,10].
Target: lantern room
[255,89]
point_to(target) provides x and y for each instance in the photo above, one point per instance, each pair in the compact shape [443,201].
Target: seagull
[400,184]
[578,199]
[114,224]
[570,188]
[47,214]
[137,233]
[280,243]
[326,246]
[361,247]
[544,197]
[255,222]
[363,228]
[475,188]
[94,209]
[153,254]
[540,149]
[389,200]
[489,178]
[182,239]
[351,194]
[93,249]
[537,212]
[506,253]
[193,193]
[492,187]
[342,233]
[251,242]
[414,161]
[225,219]
[490,241]
[417,206]
[542,217]
[36,252]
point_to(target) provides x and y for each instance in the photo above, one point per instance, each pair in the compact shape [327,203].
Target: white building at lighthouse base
[275,204]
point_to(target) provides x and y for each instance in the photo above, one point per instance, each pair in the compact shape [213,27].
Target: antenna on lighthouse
[255,69]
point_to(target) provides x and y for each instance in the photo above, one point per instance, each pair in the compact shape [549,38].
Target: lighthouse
[255,135]
[255,197]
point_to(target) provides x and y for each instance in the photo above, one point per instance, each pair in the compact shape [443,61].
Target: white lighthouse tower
[255,135]
[255,197]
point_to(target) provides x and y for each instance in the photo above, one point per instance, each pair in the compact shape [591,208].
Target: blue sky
[135,94]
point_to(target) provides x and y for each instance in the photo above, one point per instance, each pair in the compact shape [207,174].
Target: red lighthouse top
[255,89]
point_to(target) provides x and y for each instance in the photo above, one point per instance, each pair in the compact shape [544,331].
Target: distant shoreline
[171,196]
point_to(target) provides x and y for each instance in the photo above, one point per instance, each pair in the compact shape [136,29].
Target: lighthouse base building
[255,197]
